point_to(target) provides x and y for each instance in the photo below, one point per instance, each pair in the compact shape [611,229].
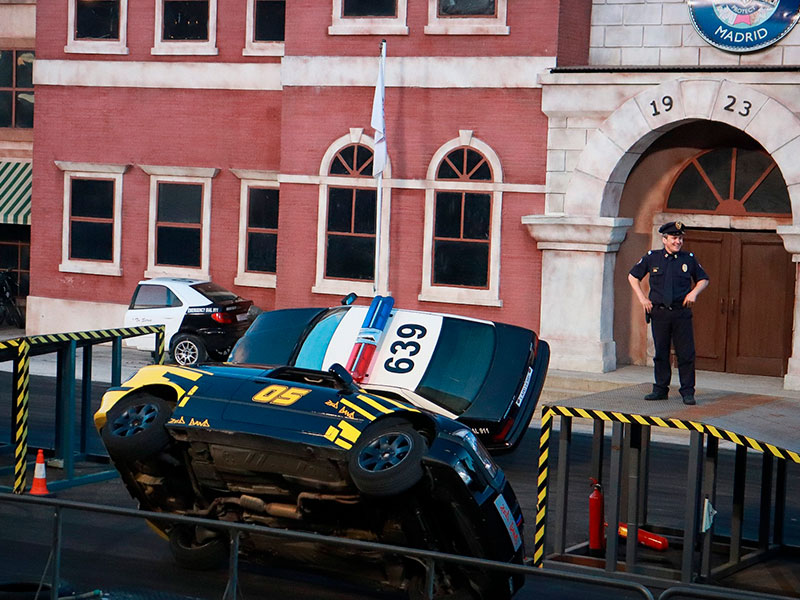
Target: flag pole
[378,122]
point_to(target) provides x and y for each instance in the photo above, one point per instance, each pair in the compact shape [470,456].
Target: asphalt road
[121,556]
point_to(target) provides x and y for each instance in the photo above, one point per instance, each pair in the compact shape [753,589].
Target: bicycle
[9,311]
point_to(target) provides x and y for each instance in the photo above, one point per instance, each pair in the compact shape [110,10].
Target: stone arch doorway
[581,229]
[727,189]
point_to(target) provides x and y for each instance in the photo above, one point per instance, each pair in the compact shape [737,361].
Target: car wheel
[386,459]
[134,428]
[188,350]
[198,548]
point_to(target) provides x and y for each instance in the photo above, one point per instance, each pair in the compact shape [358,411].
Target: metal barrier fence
[428,558]
[20,350]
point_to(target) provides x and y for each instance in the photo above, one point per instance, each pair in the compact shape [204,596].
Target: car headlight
[477,447]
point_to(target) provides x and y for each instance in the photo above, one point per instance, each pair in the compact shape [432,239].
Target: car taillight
[224,318]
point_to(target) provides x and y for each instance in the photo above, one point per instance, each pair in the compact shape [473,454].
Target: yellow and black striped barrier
[548,412]
[22,348]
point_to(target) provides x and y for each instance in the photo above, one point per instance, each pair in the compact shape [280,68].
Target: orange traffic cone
[39,486]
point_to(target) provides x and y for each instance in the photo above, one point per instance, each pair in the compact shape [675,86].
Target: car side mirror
[349,299]
[344,376]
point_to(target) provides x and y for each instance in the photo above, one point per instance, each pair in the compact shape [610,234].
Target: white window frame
[453,294]
[253,47]
[74,170]
[369,25]
[119,46]
[342,287]
[467,25]
[185,47]
[252,179]
[196,175]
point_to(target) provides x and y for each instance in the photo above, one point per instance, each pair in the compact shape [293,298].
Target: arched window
[462,224]
[730,181]
[347,219]
[350,229]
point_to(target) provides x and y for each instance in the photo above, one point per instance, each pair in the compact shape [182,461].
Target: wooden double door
[743,320]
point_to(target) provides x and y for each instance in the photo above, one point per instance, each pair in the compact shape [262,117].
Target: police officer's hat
[672,228]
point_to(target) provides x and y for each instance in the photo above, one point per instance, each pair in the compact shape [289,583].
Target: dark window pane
[6,68]
[24,116]
[185,19]
[446,171]
[691,192]
[369,8]
[350,257]
[262,252]
[262,210]
[750,165]
[477,215]
[482,173]
[180,202]
[9,256]
[93,198]
[364,218]
[458,158]
[24,284]
[6,99]
[270,21]
[25,256]
[461,263]
[178,246]
[97,19]
[466,7]
[338,167]
[363,154]
[348,156]
[771,196]
[448,215]
[717,166]
[340,207]
[25,69]
[91,241]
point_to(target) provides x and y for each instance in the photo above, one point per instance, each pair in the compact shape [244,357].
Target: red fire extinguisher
[597,537]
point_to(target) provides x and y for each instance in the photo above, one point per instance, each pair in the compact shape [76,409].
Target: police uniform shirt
[682,268]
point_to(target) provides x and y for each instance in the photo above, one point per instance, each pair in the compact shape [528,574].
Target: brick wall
[639,32]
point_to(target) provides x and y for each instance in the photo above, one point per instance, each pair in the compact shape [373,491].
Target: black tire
[134,427]
[188,350]
[386,459]
[198,549]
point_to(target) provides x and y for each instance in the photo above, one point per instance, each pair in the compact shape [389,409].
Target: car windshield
[459,364]
[316,343]
[214,292]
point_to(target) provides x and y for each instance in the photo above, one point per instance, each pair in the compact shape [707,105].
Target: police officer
[676,279]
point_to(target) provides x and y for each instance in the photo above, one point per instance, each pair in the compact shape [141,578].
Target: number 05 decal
[280,395]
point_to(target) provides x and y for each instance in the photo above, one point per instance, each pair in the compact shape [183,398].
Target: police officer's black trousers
[673,326]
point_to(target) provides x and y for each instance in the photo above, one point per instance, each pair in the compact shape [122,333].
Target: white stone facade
[599,125]
[639,32]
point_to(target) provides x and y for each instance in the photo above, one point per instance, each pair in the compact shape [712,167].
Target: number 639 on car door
[406,349]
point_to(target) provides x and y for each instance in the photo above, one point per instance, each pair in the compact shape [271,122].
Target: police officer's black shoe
[656,396]
[689,400]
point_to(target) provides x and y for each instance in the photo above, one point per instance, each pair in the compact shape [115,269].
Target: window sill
[462,28]
[183,49]
[90,268]
[460,296]
[264,49]
[176,272]
[342,288]
[96,48]
[256,280]
[372,27]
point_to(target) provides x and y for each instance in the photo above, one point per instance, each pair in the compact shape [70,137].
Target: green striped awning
[15,192]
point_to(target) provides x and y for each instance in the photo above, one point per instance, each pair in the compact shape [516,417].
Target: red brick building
[218,139]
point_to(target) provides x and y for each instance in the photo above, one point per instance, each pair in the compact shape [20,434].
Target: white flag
[378,121]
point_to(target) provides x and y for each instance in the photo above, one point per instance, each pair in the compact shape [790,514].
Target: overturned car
[310,450]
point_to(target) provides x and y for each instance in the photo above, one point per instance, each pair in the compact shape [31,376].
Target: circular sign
[743,25]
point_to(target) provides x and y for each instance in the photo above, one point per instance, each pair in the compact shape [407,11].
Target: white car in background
[202,319]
